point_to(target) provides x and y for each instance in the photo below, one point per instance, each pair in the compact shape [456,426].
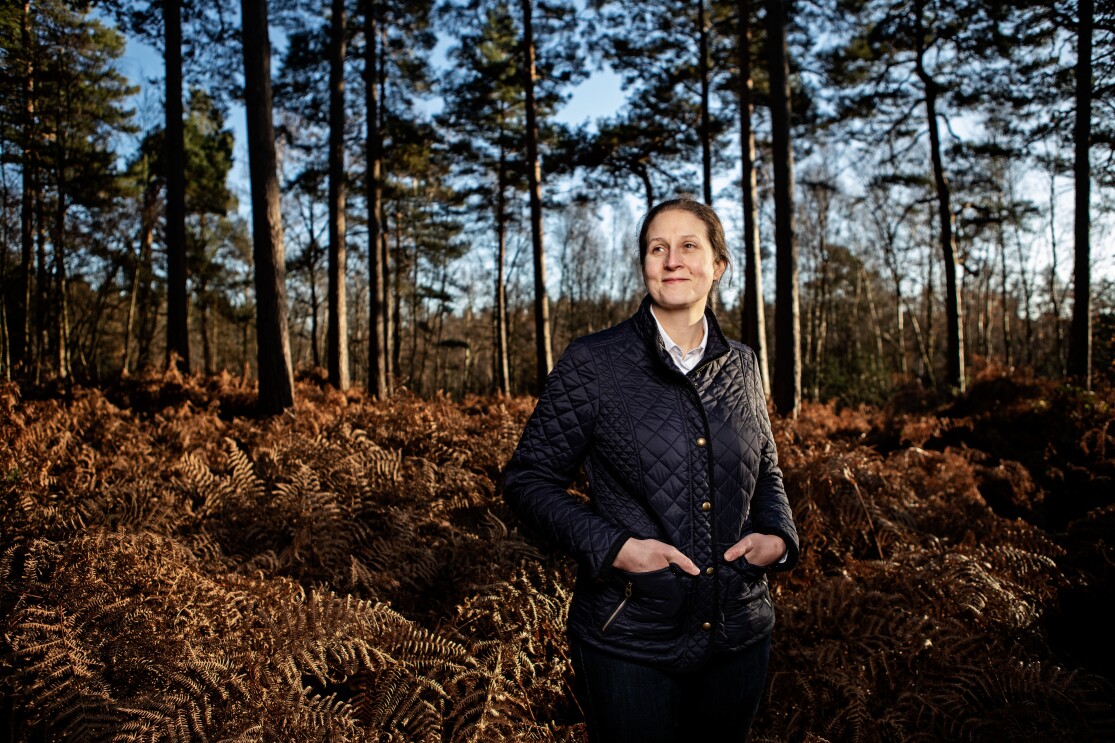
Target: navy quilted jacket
[683,458]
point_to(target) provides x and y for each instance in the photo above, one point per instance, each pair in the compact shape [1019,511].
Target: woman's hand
[645,555]
[760,550]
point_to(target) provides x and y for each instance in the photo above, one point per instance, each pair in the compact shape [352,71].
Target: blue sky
[598,96]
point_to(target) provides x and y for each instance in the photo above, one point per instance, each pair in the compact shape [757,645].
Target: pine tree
[337,332]
[485,118]
[753,321]
[65,117]
[787,323]
[276,376]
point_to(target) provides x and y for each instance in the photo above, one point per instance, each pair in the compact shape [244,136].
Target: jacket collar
[647,328]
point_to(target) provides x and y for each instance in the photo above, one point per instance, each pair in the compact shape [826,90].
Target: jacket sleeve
[550,452]
[770,508]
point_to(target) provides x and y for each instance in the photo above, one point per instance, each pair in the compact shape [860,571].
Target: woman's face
[679,267]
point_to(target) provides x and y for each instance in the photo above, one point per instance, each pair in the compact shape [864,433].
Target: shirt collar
[685,360]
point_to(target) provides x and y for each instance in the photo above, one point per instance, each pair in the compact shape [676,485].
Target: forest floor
[172,568]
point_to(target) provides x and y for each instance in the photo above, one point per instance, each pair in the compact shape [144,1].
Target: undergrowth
[174,569]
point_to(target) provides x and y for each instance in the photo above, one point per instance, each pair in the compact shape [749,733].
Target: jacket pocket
[747,610]
[647,604]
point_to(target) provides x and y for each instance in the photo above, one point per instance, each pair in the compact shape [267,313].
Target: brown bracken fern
[171,570]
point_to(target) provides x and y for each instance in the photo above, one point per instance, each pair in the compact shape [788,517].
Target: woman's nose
[673,258]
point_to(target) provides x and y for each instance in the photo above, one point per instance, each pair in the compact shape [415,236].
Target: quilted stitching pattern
[616,404]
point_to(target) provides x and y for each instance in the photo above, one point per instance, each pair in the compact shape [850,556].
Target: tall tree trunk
[315,309]
[1027,280]
[819,318]
[395,308]
[954,316]
[377,340]
[147,303]
[141,278]
[706,127]
[924,352]
[879,364]
[983,312]
[62,319]
[1054,299]
[177,323]
[900,328]
[20,322]
[42,291]
[1004,301]
[390,367]
[337,332]
[929,303]
[754,311]
[206,330]
[787,319]
[1080,343]
[501,365]
[543,348]
[389,325]
[5,340]
[62,359]
[276,377]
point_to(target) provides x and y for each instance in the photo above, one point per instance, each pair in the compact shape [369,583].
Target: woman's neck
[682,325]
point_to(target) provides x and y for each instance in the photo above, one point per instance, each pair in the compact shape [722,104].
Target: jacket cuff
[610,556]
[790,559]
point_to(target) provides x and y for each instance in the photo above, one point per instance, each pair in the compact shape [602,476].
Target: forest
[273,311]
[913,190]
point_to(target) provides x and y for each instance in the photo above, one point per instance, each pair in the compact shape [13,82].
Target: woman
[671,615]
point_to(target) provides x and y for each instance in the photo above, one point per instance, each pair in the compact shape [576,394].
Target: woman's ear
[719,268]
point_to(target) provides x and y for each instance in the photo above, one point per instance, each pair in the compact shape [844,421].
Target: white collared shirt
[684,361]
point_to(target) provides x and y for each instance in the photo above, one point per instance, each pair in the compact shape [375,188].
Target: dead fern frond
[399,705]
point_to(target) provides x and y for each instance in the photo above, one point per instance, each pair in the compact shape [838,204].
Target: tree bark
[502,365]
[337,332]
[1080,339]
[1004,301]
[206,332]
[315,301]
[177,323]
[390,366]
[706,127]
[42,289]
[276,377]
[20,322]
[954,316]
[62,319]
[138,305]
[1054,300]
[787,318]
[543,346]
[377,341]
[754,311]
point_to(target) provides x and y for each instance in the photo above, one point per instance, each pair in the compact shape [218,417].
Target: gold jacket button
[706,506]
[709,571]
[701,441]
[706,626]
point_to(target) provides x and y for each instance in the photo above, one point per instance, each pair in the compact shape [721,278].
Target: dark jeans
[625,701]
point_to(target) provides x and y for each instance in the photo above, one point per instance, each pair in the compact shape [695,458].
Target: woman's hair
[686,203]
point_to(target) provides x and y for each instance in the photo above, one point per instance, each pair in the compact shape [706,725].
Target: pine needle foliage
[172,569]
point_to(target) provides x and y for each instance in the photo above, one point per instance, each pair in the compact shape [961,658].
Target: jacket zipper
[626,598]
